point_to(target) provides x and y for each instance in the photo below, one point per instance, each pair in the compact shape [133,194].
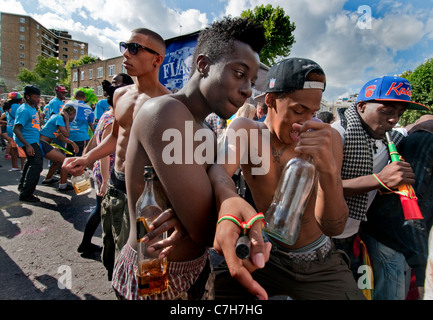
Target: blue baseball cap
[389,88]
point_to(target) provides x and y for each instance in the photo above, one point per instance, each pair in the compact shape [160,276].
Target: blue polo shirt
[51,128]
[80,126]
[53,107]
[100,108]
[28,118]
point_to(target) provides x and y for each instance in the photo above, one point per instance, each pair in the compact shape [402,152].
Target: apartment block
[23,39]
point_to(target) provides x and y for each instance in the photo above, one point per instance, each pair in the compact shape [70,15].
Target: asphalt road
[38,244]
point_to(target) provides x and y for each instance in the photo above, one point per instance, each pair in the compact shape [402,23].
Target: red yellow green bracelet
[245,226]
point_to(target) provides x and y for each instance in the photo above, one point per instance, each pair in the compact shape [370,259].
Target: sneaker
[89,248]
[31,198]
[66,189]
[51,181]
[14,169]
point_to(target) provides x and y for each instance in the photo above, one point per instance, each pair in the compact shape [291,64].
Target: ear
[203,65]
[158,61]
[270,100]
[360,106]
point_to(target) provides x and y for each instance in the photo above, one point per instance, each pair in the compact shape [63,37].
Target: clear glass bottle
[152,275]
[284,215]
[82,184]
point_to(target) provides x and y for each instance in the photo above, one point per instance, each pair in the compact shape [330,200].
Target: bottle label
[142,229]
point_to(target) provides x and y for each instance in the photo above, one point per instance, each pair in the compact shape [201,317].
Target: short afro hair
[218,40]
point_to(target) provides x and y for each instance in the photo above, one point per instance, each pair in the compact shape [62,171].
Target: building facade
[91,75]
[23,39]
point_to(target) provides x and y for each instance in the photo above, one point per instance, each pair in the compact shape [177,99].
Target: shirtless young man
[310,268]
[143,55]
[226,65]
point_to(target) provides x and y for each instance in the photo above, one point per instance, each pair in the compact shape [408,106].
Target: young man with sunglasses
[143,55]
[225,66]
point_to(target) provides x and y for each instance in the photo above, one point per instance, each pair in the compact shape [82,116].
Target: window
[111,70]
[82,75]
[100,72]
[75,44]
[21,64]
[22,55]
[22,20]
[123,69]
[75,51]
[75,76]
[90,73]
[82,52]
[22,38]
[65,56]
[65,42]
[22,29]
[21,47]
[99,91]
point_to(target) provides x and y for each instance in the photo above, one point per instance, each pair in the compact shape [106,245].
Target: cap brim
[260,98]
[410,104]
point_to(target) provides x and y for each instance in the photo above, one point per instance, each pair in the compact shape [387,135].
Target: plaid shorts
[182,276]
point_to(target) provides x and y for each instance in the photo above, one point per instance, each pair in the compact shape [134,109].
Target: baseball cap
[389,88]
[14,95]
[290,74]
[61,88]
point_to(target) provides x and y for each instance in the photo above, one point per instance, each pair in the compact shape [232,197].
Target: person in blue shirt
[56,104]
[58,128]
[101,107]
[26,135]
[81,124]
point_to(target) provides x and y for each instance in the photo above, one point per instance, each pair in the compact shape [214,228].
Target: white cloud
[12,6]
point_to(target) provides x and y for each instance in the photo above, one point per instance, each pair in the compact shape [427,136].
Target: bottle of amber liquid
[284,215]
[152,275]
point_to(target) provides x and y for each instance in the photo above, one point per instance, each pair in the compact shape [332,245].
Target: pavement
[39,241]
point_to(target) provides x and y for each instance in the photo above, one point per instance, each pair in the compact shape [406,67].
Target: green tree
[45,75]
[76,63]
[278,32]
[421,80]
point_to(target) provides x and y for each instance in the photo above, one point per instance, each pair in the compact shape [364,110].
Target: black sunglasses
[133,48]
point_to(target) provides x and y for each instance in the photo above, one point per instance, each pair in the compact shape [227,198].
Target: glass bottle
[284,215]
[152,275]
[81,183]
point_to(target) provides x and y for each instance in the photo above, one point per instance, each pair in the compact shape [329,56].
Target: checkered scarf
[358,158]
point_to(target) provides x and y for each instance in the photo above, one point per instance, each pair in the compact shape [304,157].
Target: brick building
[23,39]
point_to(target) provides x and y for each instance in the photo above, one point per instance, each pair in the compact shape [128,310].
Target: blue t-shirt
[100,108]
[80,126]
[28,118]
[51,127]
[53,107]
[10,118]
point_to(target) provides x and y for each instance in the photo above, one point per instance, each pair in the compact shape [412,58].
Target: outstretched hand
[226,236]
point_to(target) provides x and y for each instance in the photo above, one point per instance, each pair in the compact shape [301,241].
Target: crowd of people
[351,243]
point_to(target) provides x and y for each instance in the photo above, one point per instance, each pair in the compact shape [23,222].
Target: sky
[353,40]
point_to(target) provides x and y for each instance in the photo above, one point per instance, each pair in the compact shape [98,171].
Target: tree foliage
[45,75]
[278,32]
[76,63]
[421,80]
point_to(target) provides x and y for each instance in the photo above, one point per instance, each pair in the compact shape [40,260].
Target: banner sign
[176,68]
